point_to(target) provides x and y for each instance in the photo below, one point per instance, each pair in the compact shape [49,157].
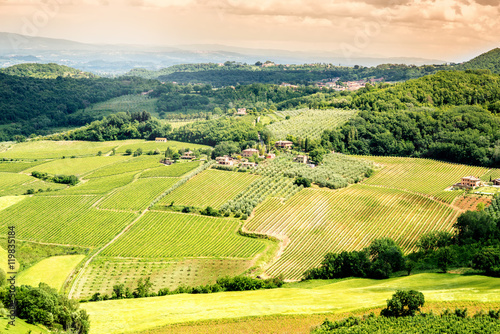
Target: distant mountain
[45,71]
[489,60]
[119,59]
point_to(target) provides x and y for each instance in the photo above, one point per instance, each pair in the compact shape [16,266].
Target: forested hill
[45,71]
[489,60]
[450,116]
[30,105]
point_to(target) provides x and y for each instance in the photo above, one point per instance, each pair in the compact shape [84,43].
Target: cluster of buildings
[472,182]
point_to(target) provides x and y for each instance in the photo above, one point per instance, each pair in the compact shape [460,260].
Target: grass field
[307,123]
[77,166]
[7,201]
[210,188]
[18,184]
[56,149]
[104,272]
[52,271]
[424,176]
[175,170]
[101,185]
[22,327]
[170,235]
[119,316]
[68,220]
[320,221]
[18,166]
[138,194]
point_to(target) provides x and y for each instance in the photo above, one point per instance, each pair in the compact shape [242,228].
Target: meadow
[56,149]
[18,184]
[135,315]
[425,176]
[76,166]
[209,188]
[53,271]
[320,221]
[170,235]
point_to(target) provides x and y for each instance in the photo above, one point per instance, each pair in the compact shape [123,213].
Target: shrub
[404,303]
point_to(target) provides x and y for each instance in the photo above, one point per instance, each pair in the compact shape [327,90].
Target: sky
[450,30]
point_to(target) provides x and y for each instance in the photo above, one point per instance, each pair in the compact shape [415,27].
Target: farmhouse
[470,182]
[160,140]
[284,144]
[248,164]
[270,156]
[301,159]
[496,182]
[249,152]
[225,160]
[188,155]
[241,111]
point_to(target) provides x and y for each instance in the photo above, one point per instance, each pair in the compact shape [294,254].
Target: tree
[169,153]
[317,154]
[445,257]
[474,226]
[143,288]
[176,156]
[119,291]
[303,181]
[403,303]
[487,260]
[225,148]
[386,256]
[128,151]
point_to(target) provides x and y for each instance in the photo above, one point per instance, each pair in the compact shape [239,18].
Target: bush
[303,181]
[404,303]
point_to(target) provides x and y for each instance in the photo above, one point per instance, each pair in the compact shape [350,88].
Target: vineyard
[18,166]
[322,221]
[174,170]
[170,235]
[137,195]
[429,177]
[210,188]
[77,166]
[151,146]
[307,123]
[18,184]
[56,149]
[133,164]
[126,103]
[69,220]
[169,273]
[101,185]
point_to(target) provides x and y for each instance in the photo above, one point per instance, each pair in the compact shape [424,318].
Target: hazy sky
[451,30]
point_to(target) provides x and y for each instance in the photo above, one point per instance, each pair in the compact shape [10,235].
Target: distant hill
[45,71]
[489,60]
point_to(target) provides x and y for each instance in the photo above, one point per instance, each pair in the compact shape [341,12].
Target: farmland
[126,103]
[56,149]
[174,170]
[52,271]
[425,176]
[133,164]
[18,184]
[151,146]
[18,166]
[76,166]
[309,123]
[170,235]
[69,220]
[137,195]
[337,297]
[320,221]
[105,272]
[101,185]
[210,188]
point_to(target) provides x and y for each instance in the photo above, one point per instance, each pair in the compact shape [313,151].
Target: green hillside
[488,61]
[45,71]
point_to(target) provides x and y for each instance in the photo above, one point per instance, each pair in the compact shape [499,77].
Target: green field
[52,271]
[133,164]
[134,315]
[101,185]
[138,194]
[56,149]
[425,176]
[104,272]
[77,166]
[68,220]
[175,170]
[170,235]
[320,221]
[18,184]
[18,166]
[151,146]
[210,188]
[7,201]
[491,175]
[125,103]
[309,123]
[22,327]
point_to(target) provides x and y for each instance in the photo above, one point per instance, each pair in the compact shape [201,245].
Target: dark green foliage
[29,105]
[434,240]
[447,322]
[143,288]
[64,179]
[475,226]
[404,303]
[209,211]
[43,305]
[445,256]
[303,181]
[488,260]
[225,148]
[386,258]
[489,61]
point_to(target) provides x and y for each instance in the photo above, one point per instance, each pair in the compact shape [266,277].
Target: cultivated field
[56,149]
[104,272]
[348,295]
[52,271]
[151,146]
[320,221]
[101,185]
[18,166]
[76,166]
[68,220]
[137,195]
[174,170]
[425,176]
[133,164]
[126,103]
[18,184]
[307,123]
[171,235]
[210,188]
